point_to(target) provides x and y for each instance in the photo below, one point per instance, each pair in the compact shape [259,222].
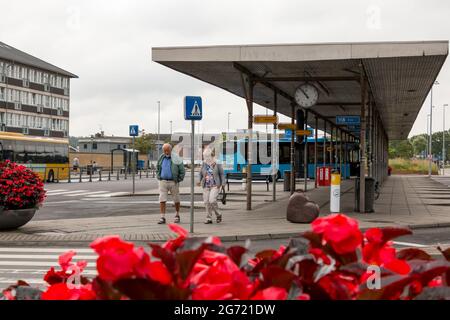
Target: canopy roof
[399,74]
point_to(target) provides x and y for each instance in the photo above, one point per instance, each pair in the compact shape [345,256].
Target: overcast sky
[107,43]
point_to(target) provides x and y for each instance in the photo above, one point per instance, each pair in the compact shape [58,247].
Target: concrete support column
[324,142]
[362,145]
[305,155]
[248,86]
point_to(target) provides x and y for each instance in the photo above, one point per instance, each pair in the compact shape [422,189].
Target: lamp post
[430,150]
[428,134]
[443,139]
[229,114]
[157,141]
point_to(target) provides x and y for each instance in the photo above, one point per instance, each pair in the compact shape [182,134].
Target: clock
[306,95]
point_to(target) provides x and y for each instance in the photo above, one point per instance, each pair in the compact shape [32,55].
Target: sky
[107,43]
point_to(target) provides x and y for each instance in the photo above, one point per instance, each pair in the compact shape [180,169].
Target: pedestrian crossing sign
[134,130]
[193,108]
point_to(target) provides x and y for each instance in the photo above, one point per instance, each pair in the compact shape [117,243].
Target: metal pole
[444,156]
[228,127]
[192,176]
[274,150]
[171,127]
[133,165]
[430,148]
[292,186]
[305,155]
[331,146]
[340,152]
[157,142]
[324,142]
[316,133]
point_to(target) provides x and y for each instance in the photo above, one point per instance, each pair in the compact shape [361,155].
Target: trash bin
[287,181]
[369,194]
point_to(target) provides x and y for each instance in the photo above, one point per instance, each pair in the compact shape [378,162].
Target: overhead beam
[305,79]
[281,92]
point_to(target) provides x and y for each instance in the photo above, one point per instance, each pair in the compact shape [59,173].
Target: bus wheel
[51,176]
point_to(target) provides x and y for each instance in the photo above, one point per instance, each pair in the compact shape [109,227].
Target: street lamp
[428,134]
[229,114]
[157,142]
[430,154]
[443,139]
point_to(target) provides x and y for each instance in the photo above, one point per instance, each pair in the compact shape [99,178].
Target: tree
[401,149]
[145,143]
[419,144]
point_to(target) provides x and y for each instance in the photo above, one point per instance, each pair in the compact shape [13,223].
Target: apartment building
[34,95]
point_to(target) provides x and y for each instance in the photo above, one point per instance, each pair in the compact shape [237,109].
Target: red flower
[271,293]
[341,232]
[61,291]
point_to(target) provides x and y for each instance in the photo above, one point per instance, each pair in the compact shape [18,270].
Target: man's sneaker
[162,220]
[219,219]
[177,219]
[208,221]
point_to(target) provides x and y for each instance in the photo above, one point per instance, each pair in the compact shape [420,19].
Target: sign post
[192,111]
[134,132]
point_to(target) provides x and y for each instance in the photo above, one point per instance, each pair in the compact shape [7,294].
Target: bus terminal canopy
[399,75]
[384,83]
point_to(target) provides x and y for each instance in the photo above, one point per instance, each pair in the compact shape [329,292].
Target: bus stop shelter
[384,83]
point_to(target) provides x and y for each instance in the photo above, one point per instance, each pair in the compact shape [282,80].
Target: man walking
[170,172]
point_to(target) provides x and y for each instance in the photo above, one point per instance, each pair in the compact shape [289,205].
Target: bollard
[146,173]
[90,174]
[140,174]
[154,172]
[81,174]
[99,175]
[335,192]
[109,175]
[70,178]
[125,174]
[118,172]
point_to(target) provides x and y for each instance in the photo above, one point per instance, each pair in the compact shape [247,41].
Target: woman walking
[212,180]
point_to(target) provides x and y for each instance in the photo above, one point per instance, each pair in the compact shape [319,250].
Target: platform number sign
[134,130]
[193,108]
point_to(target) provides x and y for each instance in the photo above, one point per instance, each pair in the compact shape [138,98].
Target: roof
[400,74]
[12,54]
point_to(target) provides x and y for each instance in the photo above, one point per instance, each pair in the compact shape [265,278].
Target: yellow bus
[48,157]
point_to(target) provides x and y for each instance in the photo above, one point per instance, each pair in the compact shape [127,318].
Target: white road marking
[36,263]
[45,250]
[409,244]
[107,195]
[44,256]
[67,192]
[53,191]
[85,193]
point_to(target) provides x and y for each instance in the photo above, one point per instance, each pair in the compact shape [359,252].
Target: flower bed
[333,261]
[20,187]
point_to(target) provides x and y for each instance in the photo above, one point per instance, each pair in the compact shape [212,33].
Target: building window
[85,146]
[124,146]
[118,146]
[94,146]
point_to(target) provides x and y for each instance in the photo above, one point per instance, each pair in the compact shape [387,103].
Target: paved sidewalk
[413,201]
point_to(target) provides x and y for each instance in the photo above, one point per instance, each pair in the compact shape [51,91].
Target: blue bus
[234,157]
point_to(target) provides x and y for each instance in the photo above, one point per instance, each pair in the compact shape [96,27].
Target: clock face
[306,95]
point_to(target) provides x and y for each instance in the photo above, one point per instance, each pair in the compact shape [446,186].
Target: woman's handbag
[222,196]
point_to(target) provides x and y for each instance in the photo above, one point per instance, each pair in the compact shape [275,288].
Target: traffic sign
[134,130]
[354,128]
[307,133]
[265,119]
[193,108]
[352,120]
[286,126]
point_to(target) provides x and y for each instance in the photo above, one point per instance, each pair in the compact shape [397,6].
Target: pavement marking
[57,190]
[59,202]
[45,250]
[107,195]
[67,192]
[85,193]
[36,263]
[409,244]
[44,256]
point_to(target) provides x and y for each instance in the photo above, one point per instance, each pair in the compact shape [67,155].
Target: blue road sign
[354,128]
[134,130]
[352,120]
[193,108]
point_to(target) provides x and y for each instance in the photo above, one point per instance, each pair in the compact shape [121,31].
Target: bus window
[284,153]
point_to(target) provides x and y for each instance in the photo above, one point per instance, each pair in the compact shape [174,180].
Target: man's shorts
[168,186]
